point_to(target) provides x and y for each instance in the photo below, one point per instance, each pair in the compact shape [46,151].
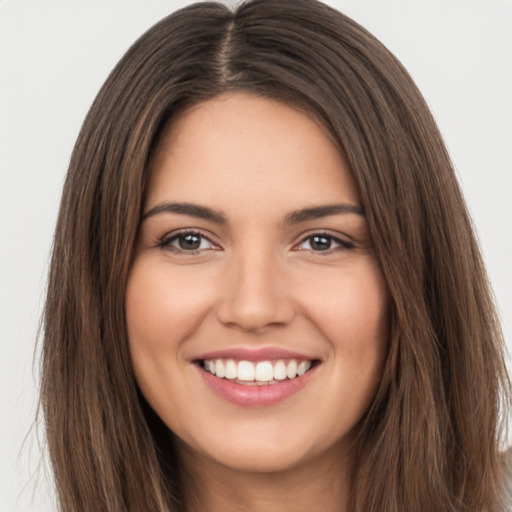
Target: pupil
[320,243]
[189,242]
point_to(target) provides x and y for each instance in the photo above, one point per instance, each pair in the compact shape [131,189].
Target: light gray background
[55,56]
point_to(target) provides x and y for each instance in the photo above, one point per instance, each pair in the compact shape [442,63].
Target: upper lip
[252,354]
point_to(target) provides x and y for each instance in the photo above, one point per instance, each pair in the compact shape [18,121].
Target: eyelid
[165,241]
[343,242]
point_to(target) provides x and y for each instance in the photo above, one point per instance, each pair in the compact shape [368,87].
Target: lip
[254,396]
[254,355]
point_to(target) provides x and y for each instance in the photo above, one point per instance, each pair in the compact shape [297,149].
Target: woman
[265,291]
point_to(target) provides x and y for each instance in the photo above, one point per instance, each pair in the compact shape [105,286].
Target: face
[256,308]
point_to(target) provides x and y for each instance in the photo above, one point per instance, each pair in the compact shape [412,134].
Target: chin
[248,451]
[255,459]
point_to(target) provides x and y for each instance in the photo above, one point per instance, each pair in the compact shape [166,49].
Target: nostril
[255,315]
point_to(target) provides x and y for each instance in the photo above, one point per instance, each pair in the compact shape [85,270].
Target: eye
[186,241]
[323,242]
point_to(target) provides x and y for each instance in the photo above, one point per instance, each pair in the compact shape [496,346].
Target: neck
[317,485]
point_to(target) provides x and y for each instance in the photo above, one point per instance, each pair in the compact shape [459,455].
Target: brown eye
[189,242]
[323,242]
[320,243]
[186,242]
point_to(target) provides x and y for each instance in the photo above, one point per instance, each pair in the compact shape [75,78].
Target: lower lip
[255,395]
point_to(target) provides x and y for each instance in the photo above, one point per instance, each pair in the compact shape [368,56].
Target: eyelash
[343,245]
[165,242]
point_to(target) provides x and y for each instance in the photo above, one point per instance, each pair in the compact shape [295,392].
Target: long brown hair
[430,440]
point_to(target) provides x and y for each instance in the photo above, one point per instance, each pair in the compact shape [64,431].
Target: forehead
[239,149]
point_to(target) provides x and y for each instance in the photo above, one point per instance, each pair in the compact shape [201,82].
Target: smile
[256,373]
[256,378]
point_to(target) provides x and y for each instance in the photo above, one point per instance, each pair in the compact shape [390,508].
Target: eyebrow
[295,217]
[190,209]
[317,212]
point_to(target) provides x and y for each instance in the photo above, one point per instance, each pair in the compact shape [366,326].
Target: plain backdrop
[54,56]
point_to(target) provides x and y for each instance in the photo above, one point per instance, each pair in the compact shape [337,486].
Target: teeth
[246,370]
[261,373]
[303,367]
[220,368]
[231,369]
[291,369]
[280,371]
[264,371]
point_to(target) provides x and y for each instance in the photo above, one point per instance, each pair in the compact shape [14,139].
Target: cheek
[162,307]
[350,305]
[356,322]
[351,309]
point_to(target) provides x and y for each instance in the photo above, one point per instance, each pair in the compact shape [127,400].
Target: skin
[256,281]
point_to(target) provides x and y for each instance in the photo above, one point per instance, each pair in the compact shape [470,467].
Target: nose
[255,295]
